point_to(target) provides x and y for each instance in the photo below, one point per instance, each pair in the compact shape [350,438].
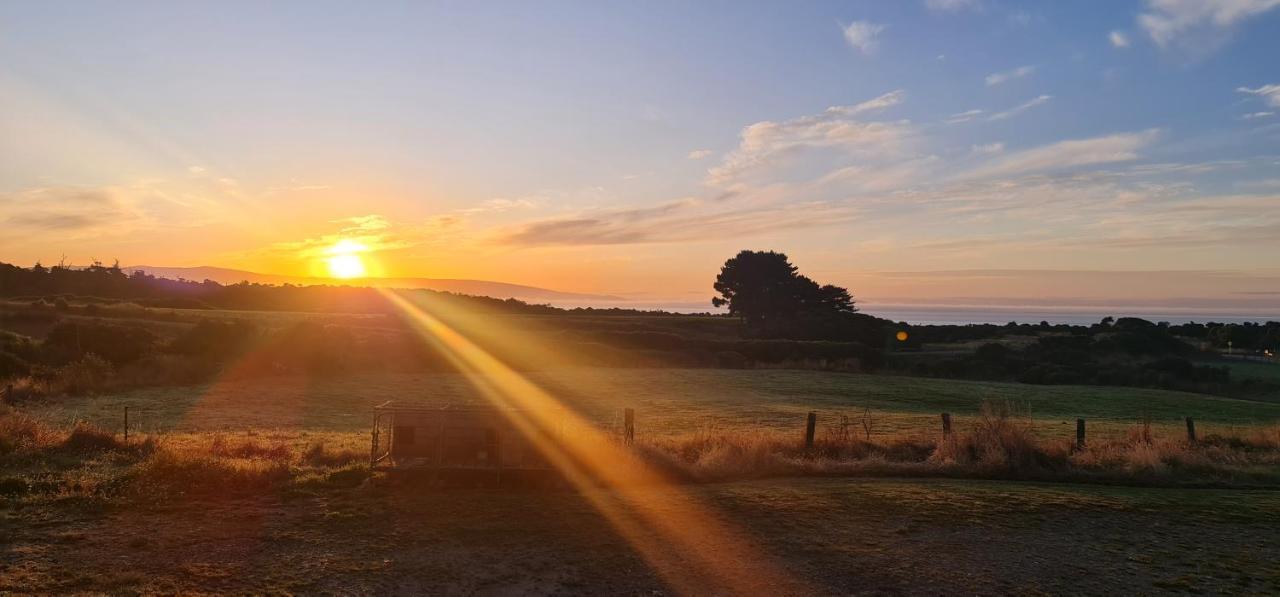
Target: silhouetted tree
[763,287]
[756,285]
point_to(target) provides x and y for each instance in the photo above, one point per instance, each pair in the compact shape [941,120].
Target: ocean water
[934,315]
[1002,314]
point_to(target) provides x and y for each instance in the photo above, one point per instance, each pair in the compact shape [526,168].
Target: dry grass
[80,460]
[997,444]
[41,461]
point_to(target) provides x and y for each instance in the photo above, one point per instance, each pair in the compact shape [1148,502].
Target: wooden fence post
[946,424]
[1191,430]
[810,425]
[1079,434]
[629,425]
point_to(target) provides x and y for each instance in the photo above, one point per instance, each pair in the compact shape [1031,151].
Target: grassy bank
[673,401]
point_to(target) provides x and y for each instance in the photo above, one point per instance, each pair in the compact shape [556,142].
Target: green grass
[1268,372]
[666,400]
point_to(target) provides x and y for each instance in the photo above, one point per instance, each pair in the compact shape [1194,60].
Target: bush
[87,439]
[215,340]
[23,432]
[88,375]
[70,341]
[319,454]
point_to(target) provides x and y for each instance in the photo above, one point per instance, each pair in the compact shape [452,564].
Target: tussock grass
[80,460]
[998,444]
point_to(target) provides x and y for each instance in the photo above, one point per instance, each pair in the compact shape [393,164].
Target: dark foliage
[117,344]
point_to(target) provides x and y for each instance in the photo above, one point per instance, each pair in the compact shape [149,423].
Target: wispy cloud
[863,36]
[1199,24]
[952,5]
[73,212]
[1118,39]
[1269,93]
[1254,115]
[1020,108]
[698,154]
[677,221]
[1067,154]
[1000,78]
[767,145]
[887,100]
[965,116]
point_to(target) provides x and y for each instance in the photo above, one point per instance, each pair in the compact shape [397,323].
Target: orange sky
[901,153]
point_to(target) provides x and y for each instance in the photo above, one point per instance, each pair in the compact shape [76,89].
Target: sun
[346,265]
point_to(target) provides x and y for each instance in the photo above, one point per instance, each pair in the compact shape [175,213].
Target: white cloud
[698,154]
[994,79]
[1066,154]
[952,5]
[1168,21]
[1020,108]
[989,148]
[195,169]
[767,145]
[892,98]
[965,116]
[863,35]
[1257,115]
[1119,39]
[1269,93]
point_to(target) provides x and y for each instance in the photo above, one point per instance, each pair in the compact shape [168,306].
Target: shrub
[22,432]
[87,439]
[69,341]
[319,454]
[998,442]
[88,375]
[215,340]
[171,472]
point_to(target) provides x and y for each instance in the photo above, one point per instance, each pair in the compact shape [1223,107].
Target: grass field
[1254,370]
[667,401]
[830,536]
[260,485]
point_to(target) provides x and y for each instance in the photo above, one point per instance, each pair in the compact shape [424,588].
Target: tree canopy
[763,287]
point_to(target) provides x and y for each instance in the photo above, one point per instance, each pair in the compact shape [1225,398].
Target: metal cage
[450,439]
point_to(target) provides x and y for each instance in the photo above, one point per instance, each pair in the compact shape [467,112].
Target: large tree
[763,286]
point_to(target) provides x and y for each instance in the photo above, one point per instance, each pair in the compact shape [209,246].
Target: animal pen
[451,439]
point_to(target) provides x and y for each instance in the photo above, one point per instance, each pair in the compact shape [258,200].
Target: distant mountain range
[500,290]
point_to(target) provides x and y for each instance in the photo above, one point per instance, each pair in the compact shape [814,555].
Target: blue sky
[631,147]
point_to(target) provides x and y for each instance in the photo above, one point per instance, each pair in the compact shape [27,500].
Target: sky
[930,151]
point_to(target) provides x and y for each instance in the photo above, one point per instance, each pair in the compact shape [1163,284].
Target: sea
[1001,314]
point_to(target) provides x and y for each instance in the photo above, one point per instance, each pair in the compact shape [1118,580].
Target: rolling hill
[501,290]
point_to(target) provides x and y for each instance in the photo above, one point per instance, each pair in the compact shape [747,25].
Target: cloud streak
[1001,78]
[1202,24]
[1268,93]
[1020,108]
[1067,154]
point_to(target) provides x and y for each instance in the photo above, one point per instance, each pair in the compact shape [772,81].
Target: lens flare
[346,266]
[692,547]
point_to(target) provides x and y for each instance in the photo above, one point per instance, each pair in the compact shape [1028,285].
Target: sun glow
[346,266]
[345,261]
